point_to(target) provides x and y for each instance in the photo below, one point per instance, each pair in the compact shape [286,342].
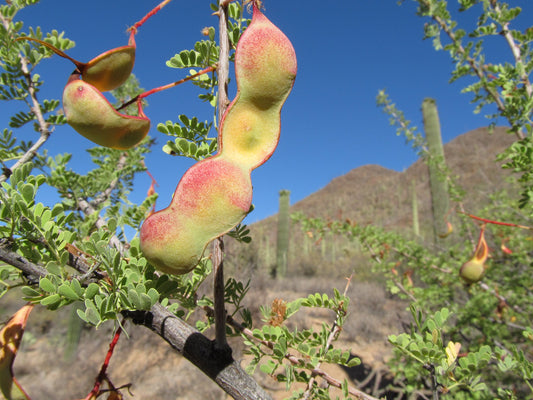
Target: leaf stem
[138,24]
[35,107]
[333,334]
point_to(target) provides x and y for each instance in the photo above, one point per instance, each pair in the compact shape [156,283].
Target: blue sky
[347,51]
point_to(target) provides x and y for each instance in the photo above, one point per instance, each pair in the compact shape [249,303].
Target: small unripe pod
[473,270]
[212,197]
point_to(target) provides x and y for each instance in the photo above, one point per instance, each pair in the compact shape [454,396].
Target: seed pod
[92,116]
[473,270]
[216,194]
[212,197]
[105,72]
[110,69]
[265,70]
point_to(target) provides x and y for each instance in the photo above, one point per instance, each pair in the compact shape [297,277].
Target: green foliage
[191,138]
[420,145]
[403,125]
[430,356]
[503,86]
[291,355]
[488,317]
[205,53]
[241,233]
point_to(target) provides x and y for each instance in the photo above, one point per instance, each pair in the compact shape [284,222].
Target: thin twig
[295,360]
[377,258]
[141,96]
[85,207]
[102,375]
[218,244]
[155,10]
[489,221]
[102,197]
[501,298]
[517,54]
[333,333]
[35,108]
[478,70]
[90,207]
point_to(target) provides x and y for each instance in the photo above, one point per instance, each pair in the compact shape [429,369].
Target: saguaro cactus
[283,234]
[414,204]
[436,163]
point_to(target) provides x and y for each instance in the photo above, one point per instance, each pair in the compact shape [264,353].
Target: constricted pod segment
[216,194]
[212,197]
[265,70]
[92,116]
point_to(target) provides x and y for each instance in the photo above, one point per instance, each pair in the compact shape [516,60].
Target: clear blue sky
[347,51]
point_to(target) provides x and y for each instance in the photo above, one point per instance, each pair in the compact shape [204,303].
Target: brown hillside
[373,194]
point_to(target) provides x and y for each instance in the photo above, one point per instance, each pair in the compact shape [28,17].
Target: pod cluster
[215,194]
[90,113]
[86,108]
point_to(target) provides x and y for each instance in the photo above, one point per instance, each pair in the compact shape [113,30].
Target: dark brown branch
[216,363]
[31,270]
[102,197]
[34,271]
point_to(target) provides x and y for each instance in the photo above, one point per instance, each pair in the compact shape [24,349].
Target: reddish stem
[488,221]
[151,13]
[103,370]
[79,65]
[170,85]
[164,87]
